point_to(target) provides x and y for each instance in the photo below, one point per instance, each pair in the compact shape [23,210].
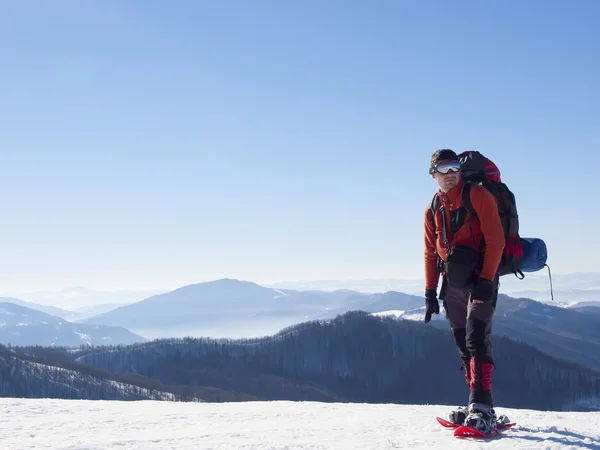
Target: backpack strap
[432,210]
[465,195]
[444,228]
[434,206]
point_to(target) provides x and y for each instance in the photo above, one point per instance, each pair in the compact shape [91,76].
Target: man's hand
[431,304]
[483,291]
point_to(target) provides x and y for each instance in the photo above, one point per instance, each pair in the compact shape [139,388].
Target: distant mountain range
[568,288]
[24,326]
[73,298]
[241,309]
[570,298]
[70,315]
[232,308]
[48,309]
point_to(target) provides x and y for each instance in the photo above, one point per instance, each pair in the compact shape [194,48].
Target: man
[466,251]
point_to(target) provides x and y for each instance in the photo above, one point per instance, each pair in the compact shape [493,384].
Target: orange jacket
[488,227]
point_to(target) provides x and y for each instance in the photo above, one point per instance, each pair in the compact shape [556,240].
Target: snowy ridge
[283,425]
[279,293]
[416,314]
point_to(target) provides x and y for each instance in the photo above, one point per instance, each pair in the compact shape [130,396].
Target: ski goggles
[445,166]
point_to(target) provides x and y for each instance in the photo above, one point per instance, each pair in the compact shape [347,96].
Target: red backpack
[477,169]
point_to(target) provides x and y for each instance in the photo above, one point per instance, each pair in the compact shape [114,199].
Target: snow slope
[95,425]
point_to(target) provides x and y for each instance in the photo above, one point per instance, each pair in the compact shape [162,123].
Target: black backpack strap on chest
[434,206]
[465,195]
[444,229]
[432,210]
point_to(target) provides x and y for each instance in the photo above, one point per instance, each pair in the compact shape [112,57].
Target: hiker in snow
[466,250]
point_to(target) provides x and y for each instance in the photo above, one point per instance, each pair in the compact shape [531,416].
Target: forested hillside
[355,357]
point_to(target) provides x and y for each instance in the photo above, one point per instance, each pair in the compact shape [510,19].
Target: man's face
[447,174]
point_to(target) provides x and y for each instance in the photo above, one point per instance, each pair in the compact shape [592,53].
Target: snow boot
[458,416]
[482,417]
[503,419]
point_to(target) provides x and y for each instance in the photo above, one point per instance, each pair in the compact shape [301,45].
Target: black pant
[471,325]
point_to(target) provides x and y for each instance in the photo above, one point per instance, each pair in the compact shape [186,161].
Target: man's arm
[486,207]
[432,272]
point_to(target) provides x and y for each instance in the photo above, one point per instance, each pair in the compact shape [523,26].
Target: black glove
[431,304]
[483,290]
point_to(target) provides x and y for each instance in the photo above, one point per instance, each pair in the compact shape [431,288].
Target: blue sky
[152,144]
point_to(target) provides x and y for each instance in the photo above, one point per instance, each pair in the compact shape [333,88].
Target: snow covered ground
[94,425]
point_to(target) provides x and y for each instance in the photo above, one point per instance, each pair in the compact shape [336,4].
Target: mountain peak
[224,285]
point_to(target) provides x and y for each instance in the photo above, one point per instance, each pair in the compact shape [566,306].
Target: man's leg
[456,306]
[479,345]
